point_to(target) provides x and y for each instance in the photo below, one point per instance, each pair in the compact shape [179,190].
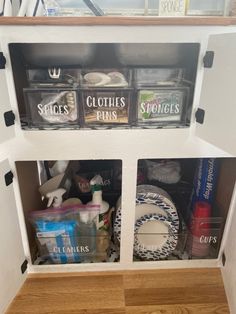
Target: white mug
[5,8]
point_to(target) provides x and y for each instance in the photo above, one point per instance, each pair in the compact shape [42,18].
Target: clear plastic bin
[201,243]
[106,107]
[50,108]
[162,106]
[54,77]
[70,234]
[158,76]
[204,237]
[206,7]
[106,78]
[63,249]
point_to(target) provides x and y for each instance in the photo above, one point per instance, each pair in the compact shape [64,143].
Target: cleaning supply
[87,234]
[55,198]
[60,241]
[62,236]
[96,188]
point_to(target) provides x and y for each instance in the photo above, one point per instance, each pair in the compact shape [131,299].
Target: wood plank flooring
[185,291]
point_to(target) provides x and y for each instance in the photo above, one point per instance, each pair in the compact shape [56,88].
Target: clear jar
[51,8]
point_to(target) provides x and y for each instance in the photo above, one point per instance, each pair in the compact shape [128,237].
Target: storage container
[106,107]
[50,108]
[204,237]
[62,249]
[106,78]
[162,106]
[158,76]
[67,234]
[206,7]
[83,249]
[54,77]
[151,54]
[187,243]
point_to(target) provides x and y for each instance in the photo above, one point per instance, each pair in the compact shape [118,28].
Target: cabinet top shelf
[128,21]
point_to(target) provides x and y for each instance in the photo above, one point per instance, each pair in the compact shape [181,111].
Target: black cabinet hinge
[24,266]
[223,258]
[2,61]
[208,59]
[8,178]
[200,115]
[9,118]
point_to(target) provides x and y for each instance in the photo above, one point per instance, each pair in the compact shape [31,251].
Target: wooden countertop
[120,21]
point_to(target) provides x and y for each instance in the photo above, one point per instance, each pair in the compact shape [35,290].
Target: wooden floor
[147,292]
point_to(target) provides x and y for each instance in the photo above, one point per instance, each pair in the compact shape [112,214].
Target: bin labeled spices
[51,106]
[160,106]
[106,106]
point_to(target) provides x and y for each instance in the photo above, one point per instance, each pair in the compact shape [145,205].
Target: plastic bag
[66,235]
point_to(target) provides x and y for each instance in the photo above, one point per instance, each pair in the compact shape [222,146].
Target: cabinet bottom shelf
[167,231]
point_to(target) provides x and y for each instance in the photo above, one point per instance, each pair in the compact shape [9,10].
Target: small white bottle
[96,188]
[51,8]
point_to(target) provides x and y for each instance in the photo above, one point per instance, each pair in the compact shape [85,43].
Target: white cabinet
[217,91]
[5,106]
[12,257]
[214,90]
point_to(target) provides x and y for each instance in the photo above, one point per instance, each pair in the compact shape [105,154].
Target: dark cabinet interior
[148,104]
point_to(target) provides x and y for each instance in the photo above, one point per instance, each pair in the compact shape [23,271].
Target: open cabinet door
[7,117]
[229,269]
[12,260]
[218,98]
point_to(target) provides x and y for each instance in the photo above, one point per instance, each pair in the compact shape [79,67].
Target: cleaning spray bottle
[55,197]
[96,188]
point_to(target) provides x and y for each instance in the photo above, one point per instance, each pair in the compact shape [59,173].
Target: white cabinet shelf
[110,144]
[214,138]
